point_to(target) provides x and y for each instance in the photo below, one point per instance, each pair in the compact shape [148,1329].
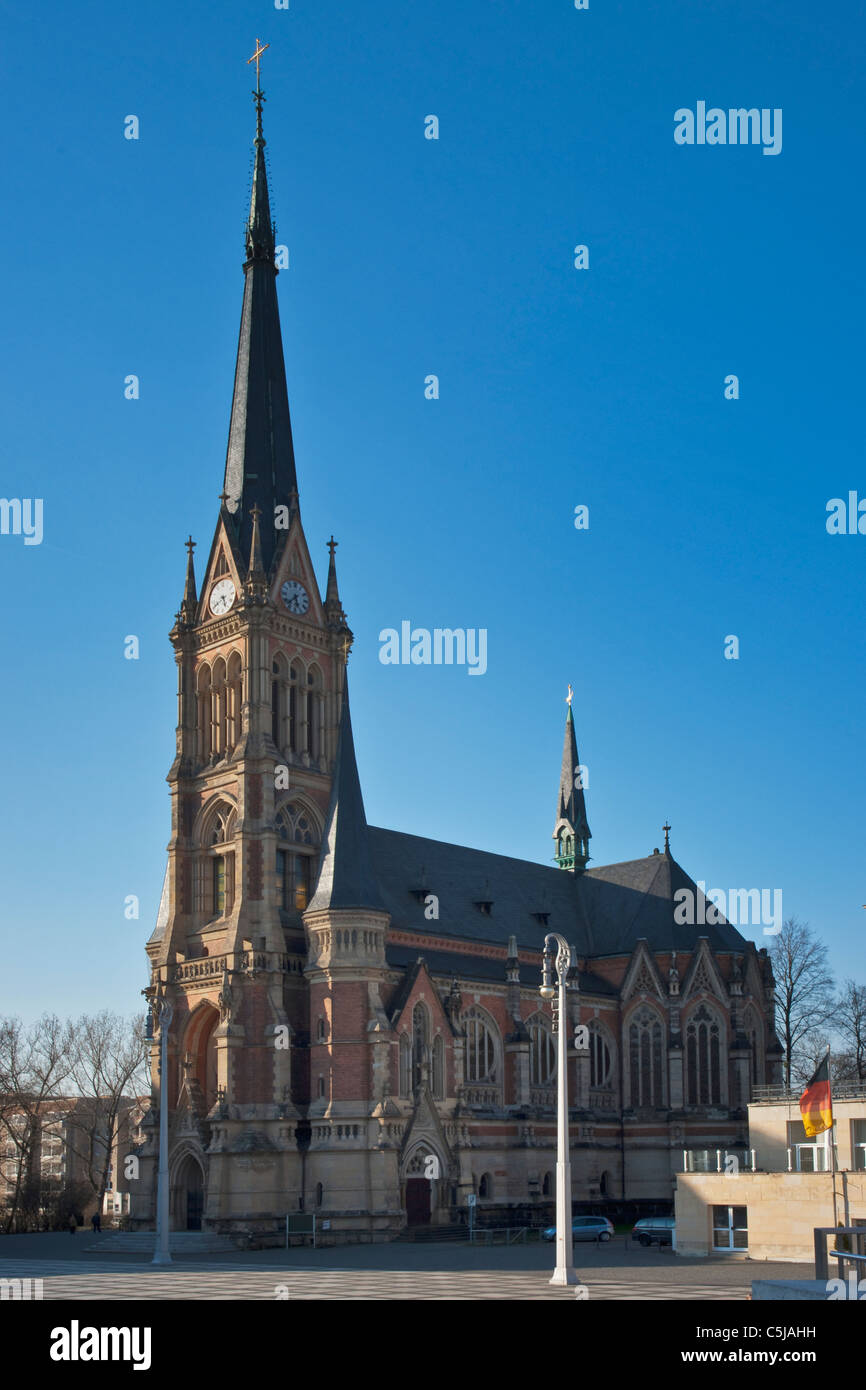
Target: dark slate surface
[636,899]
[460,877]
[260,460]
[346,875]
[481,968]
[602,912]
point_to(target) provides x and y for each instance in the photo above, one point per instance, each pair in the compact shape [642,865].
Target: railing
[842,1090]
[823,1254]
[601,1100]
[203,968]
[208,967]
[481,1095]
[500,1235]
[544,1096]
[719,1161]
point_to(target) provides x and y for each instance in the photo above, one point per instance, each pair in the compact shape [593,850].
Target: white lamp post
[564,1273]
[162,1015]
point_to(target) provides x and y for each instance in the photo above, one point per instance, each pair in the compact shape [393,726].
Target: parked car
[654,1228]
[584,1228]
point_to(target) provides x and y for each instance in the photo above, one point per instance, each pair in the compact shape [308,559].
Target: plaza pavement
[447,1271]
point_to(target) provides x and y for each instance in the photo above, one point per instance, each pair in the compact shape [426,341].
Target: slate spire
[260,460]
[347,878]
[571,831]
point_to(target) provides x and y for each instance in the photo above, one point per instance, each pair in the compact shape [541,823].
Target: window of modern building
[730,1228]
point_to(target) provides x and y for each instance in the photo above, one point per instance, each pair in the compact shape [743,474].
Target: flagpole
[832,1145]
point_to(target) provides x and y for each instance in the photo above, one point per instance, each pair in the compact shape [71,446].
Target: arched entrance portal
[422,1184]
[188,1195]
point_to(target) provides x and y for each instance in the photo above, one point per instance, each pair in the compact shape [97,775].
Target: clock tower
[261,669]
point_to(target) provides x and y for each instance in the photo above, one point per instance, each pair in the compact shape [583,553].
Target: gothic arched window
[542,1052]
[482,1051]
[645,1058]
[599,1057]
[216,862]
[405,1078]
[313,713]
[438,1067]
[235,699]
[703,1058]
[420,1044]
[754,1030]
[279,701]
[295,865]
[203,711]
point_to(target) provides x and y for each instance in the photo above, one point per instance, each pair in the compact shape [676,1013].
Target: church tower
[261,671]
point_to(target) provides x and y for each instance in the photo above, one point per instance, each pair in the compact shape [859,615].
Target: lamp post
[161,1013]
[564,1273]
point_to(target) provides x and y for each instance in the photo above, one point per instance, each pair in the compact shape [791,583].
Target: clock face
[295,596]
[222,596]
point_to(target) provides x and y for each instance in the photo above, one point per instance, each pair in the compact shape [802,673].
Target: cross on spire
[666,828]
[332,545]
[257,58]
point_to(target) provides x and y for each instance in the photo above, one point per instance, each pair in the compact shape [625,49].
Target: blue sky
[557,387]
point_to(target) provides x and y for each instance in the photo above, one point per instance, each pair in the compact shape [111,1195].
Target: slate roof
[346,877]
[602,912]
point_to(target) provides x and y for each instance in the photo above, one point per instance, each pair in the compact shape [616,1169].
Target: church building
[356,1028]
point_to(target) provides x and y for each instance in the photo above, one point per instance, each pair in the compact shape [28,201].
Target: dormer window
[542,918]
[485,907]
[419,894]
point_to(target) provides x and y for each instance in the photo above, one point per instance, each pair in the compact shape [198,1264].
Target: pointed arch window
[482,1050]
[600,1059]
[295,862]
[216,876]
[542,1052]
[645,1058]
[420,1045]
[703,1058]
[313,714]
[234,693]
[405,1078]
[438,1067]
[203,688]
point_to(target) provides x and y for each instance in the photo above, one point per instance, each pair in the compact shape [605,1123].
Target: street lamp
[564,1273]
[161,1013]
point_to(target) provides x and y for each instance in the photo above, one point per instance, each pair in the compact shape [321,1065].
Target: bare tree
[108,1070]
[804,989]
[850,1020]
[35,1064]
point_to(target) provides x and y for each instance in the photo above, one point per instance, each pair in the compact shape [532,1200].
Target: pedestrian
[72,1223]
[96,1223]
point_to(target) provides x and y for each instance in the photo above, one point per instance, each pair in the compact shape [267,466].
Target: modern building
[356,1026]
[767,1201]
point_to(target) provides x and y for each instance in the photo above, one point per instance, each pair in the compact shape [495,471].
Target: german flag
[816,1105]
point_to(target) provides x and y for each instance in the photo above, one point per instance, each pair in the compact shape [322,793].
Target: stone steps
[144,1243]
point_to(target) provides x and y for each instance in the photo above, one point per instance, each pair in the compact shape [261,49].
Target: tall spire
[260,460]
[190,597]
[347,878]
[571,832]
